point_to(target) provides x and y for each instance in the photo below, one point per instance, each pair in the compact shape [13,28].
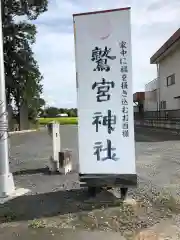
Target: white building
[166,87]
[62,115]
[151,96]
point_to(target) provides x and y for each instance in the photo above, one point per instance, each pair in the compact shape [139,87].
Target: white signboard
[105,99]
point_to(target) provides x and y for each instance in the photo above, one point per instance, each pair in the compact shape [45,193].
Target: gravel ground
[57,202]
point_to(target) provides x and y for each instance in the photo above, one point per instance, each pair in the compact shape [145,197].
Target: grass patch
[60,120]
[8,217]
[36,223]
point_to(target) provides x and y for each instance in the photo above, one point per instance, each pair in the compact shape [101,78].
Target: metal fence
[169,119]
[159,115]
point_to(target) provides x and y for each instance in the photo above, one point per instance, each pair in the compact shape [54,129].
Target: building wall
[168,66]
[136,109]
[151,96]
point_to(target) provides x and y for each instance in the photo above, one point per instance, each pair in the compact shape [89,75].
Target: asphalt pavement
[57,202]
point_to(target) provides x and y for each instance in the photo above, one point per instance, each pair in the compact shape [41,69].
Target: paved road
[158,168]
[28,149]
[157,156]
[157,152]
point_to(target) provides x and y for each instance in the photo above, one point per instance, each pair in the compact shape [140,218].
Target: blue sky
[153,22]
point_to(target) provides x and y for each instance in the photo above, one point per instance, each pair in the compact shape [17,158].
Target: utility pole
[6,178]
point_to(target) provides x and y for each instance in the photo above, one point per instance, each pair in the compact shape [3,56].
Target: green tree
[72,112]
[23,78]
[36,108]
[52,112]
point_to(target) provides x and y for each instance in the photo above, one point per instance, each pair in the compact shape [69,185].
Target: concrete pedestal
[6,185]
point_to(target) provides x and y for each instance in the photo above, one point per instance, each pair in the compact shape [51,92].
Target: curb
[171,130]
[17,193]
[23,131]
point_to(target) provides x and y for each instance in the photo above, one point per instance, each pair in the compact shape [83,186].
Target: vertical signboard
[105,99]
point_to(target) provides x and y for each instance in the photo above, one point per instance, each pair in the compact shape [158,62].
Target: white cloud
[152,23]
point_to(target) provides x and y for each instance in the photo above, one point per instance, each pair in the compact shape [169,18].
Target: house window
[170,80]
[163,105]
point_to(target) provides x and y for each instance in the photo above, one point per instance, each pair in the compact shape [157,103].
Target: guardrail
[159,123]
